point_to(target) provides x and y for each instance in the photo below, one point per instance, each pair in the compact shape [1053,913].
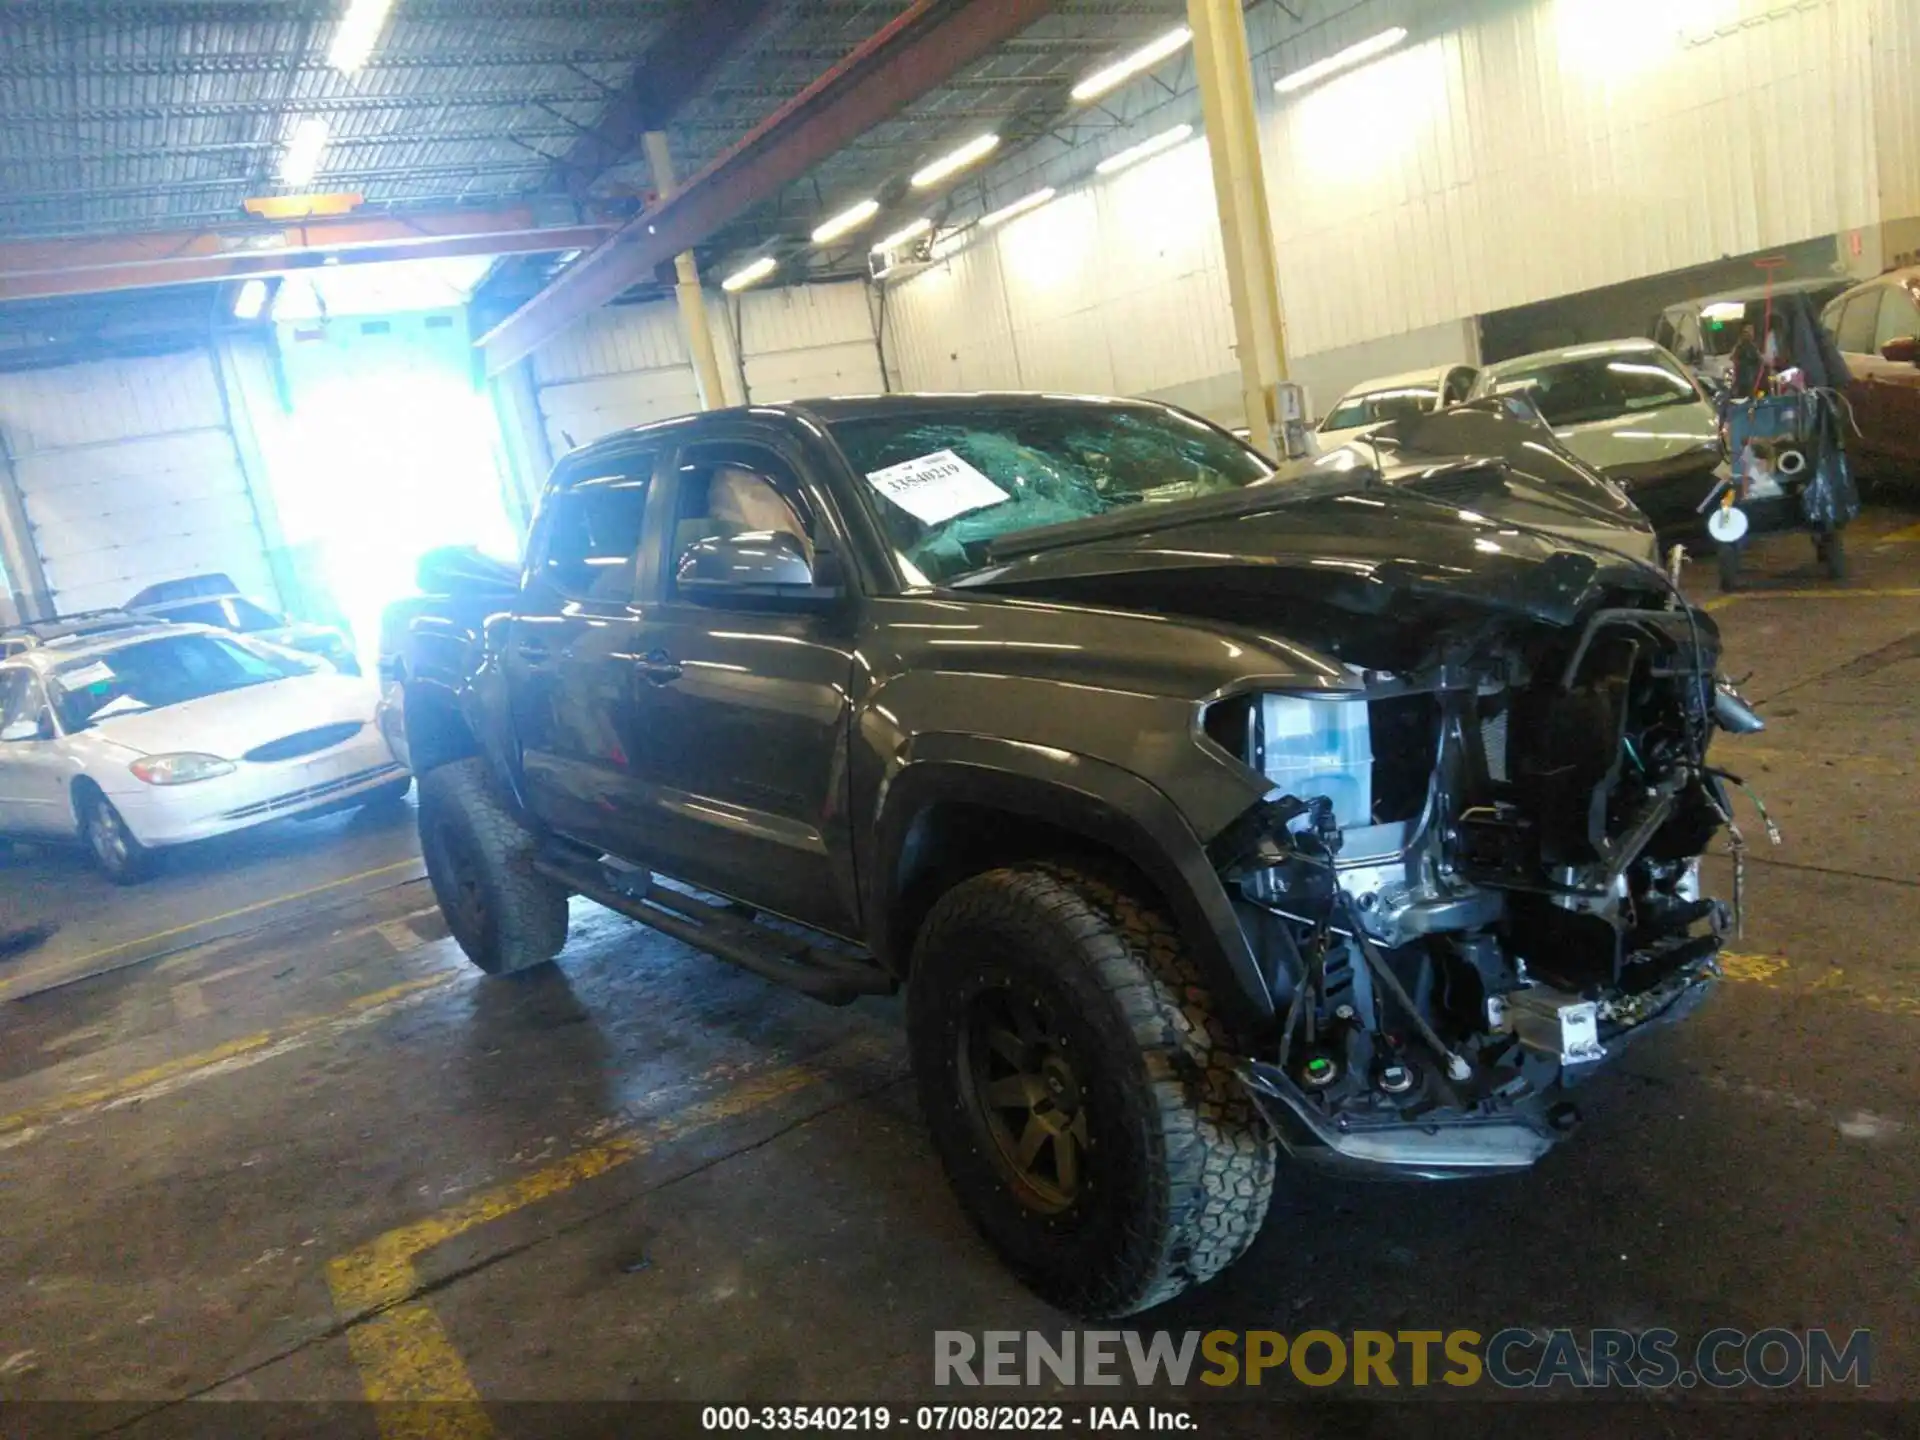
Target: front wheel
[505,915]
[121,858]
[1080,1090]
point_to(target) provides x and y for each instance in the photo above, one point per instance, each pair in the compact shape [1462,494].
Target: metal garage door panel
[130,476]
[848,369]
[110,519]
[582,410]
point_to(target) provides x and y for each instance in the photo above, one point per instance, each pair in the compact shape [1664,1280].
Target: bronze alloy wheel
[1024,1094]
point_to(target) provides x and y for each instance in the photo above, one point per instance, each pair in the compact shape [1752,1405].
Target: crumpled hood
[1375,550]
[235,721]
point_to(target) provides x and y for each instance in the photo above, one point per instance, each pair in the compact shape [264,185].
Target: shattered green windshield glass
[946,484]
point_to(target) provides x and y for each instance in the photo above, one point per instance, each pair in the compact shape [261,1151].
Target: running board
[721,932]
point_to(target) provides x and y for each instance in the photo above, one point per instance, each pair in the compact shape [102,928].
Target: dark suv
[1198,809]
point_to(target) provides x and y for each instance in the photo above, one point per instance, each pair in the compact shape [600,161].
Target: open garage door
[130,475]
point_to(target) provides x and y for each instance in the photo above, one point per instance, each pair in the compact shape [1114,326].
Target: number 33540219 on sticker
[936,487]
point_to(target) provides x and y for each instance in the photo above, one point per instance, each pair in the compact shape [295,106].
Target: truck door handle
[533,650]
[659,667]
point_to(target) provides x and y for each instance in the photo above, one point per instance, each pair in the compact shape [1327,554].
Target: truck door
[1894,383]
[745,703]
[571,648]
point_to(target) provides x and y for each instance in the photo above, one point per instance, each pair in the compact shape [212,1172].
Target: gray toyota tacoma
[1200,809]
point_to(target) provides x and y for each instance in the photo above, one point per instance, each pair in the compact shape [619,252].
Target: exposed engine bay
[1474,881]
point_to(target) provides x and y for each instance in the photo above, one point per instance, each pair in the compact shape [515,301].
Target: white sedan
[1372,403]
[157,737]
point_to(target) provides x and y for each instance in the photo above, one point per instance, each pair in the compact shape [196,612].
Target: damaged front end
[1475,881]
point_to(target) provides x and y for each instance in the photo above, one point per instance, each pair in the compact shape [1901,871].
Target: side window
[1854,333]
[1686,344]
[736,489]
[1459,383]
[20,697]
[1663,332]
[1899,318]
[592,531]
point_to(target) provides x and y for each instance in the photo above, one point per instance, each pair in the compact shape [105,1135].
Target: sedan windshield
[1575,391]
[1381,406]
[156,673]
[945,483]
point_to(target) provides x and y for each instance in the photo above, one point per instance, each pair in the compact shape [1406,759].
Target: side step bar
[771,954]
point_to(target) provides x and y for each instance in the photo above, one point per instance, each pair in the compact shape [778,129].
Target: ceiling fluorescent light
[1128,66]
[1165,140]
[1018,207]
[251,300]
[903,235]
[955,162]
[750,274]
[1341,60]
[359,30]
[301,159]
[846,222]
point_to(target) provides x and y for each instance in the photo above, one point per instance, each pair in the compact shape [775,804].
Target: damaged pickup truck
[1200,811]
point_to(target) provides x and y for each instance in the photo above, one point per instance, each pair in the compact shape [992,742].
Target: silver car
[140,739]
[1631,411]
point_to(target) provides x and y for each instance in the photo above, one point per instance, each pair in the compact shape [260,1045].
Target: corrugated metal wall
[1510,152]
[130,475]
[628,364]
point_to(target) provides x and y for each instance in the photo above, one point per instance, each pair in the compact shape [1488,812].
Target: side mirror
[1903,350]
[755,565]
[21,730]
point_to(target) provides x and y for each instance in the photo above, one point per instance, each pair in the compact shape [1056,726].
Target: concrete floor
[303,1152]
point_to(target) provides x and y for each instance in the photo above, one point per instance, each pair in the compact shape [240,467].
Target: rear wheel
[121,858]
[1080,1090]
[505,915]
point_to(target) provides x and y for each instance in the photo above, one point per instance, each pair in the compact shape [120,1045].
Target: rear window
[1380,406]
[593,536]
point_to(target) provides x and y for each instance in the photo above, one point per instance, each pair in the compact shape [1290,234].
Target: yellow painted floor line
[248,1050]
[407,1363]
[1777,972]
[59,968]
[1721,602]
[1911,532]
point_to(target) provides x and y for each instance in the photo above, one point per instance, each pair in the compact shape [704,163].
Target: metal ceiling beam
[38,269]
[678,66]
[921,49]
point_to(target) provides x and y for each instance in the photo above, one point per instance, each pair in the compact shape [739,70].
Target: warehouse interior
[296,294]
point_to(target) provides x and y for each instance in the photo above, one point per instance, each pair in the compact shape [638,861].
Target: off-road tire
[505,915]
[1179,1166]
[110,844]
[1729,568]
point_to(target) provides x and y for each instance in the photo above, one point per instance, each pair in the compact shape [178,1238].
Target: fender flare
[1109,807]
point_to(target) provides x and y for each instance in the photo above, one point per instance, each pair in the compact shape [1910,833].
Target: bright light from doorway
[846,222]
[1128,66]
[1341,60]
[751,274]
[1134,154]
[1018,207]
[251,300]
[954,162]
[359,31]
[300,161]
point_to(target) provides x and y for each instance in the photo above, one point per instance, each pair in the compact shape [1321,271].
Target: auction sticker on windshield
[936,487]
[96,673]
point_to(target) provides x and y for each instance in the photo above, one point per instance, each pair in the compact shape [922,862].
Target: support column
[31,597]
[693,300]
[1225,72]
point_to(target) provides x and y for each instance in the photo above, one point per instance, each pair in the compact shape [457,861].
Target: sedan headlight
[180,769]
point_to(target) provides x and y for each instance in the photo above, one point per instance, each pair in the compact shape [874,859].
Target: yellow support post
[693,300]
[1225,71]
